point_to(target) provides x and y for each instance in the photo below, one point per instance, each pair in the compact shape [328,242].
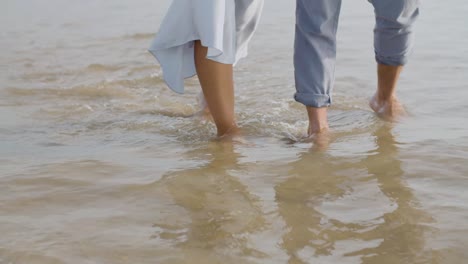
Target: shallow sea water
[101,163]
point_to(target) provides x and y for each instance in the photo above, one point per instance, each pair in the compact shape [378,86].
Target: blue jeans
[315,43]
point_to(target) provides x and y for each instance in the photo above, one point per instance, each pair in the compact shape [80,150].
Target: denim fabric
[315,43]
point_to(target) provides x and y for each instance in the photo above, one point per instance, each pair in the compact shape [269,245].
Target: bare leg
[204,111]
[318,127]
[216,80]
[385,102]
[318,121]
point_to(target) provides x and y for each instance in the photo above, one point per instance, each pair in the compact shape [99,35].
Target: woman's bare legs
[216,80]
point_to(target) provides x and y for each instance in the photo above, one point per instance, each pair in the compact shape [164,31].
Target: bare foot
[318,120]
[231,133]
[390,110]
[234,135]
[317,129]
[321,139]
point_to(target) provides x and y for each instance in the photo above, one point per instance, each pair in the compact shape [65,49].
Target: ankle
[318,120]
[316,128]
[387,82]
[228,130]
[384,99]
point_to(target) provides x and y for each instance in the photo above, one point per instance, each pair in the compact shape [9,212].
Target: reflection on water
[333,209]
[404,230]
[396,235]
[219,208]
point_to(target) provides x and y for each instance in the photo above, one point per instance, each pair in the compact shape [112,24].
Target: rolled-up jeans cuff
[313,100]
[391,61]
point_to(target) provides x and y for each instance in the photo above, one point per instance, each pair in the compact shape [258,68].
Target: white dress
[224,26]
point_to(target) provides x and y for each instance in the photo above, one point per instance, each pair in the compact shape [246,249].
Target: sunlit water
[101,163]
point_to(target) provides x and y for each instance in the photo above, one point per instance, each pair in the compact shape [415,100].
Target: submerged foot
[319,137]
[317,132]
[390,110]
[234,135]
[233,131]
[321,140]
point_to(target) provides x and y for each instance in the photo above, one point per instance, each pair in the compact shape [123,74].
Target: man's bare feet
[385,103]
[390,110]
[321,140]
[318,120]
[318,127]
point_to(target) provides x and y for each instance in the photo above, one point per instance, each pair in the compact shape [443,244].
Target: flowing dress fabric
[224,26]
